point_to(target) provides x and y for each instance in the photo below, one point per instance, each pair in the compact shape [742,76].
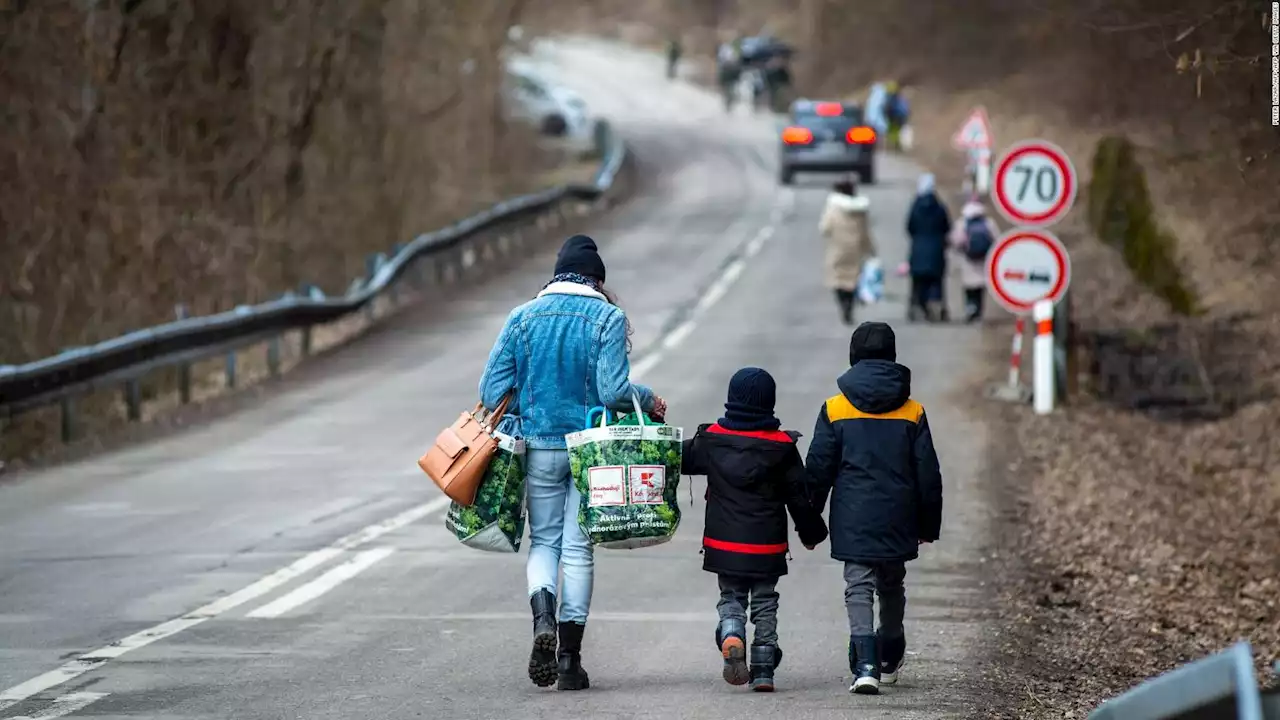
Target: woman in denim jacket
[562,353]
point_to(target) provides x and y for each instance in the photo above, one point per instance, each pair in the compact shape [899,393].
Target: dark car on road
[827,137]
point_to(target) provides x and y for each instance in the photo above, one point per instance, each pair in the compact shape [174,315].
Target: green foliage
[632,522]
[500,501]
[1121,215]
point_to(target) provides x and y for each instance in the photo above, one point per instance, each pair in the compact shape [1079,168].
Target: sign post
[1028,269]
[974,138]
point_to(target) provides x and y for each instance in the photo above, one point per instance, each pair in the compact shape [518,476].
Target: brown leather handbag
[461,454]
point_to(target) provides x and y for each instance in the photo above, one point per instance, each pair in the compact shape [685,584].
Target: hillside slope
[216,152]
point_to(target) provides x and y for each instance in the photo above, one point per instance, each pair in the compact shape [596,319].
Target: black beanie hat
[579,255]
[872,341]
[752,394]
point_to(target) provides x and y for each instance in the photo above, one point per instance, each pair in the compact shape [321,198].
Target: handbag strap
[491,422]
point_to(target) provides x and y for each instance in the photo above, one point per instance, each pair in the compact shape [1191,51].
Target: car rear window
[810,119]
[835,124]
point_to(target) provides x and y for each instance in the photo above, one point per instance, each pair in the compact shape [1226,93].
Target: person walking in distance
[846,230]
[561,353]
[973,236]
[872,451]
[754,478]
[928,225]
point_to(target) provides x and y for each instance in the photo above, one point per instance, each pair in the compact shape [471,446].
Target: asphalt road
[291,561]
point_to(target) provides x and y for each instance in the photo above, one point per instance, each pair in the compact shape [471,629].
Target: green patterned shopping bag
[627,474]
[495,521]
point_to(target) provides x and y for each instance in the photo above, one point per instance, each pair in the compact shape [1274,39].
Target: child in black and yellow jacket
[873,452]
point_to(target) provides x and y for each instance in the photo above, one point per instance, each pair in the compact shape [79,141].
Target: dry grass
[217,153]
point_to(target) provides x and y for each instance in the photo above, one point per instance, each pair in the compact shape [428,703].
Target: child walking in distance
[754,477]
[973,236]
[873,453]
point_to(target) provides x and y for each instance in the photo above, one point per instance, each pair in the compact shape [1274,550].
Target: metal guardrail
[1219,687]
[124,359]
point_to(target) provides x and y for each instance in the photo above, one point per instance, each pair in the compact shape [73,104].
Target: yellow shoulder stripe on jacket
[839,408]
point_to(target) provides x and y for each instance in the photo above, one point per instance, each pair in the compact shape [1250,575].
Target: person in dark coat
[754,477]
[873,453]
[928,225]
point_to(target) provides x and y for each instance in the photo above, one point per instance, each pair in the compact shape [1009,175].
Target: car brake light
[829,109]
[861,136]
[797,136]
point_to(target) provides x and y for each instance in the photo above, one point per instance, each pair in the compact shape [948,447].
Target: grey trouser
[861,584]
[739,593]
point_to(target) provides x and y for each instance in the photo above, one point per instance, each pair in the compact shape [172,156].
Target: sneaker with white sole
[892,654]
[864,664]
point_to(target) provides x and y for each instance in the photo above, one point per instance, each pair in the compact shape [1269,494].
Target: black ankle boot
[764,660]
[542,660]
[572,676]
[731,641]
[864,663]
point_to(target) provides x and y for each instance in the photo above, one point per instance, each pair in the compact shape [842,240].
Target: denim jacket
[563,352]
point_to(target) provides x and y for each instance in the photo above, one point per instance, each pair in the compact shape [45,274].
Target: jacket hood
[973,210]
[876,386]
[849,204]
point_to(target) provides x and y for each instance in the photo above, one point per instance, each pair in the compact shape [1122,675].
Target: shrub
[1121,215]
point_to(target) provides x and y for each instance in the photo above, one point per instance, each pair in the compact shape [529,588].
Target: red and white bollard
[1015,357]
[1043,360]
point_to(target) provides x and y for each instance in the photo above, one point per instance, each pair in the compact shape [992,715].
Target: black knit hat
[872,341]
[752,394]
[579,255]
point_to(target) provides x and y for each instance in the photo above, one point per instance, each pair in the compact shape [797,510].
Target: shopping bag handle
[604,412]
[635,402]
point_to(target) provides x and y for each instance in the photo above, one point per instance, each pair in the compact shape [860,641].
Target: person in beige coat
[972,236]
[846,228]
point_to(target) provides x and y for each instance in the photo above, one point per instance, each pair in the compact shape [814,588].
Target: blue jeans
[555,536]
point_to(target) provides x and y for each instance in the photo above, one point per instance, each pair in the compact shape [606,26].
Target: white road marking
[323,584]
[65,705]
[712,295]
[97,658]
[677,336]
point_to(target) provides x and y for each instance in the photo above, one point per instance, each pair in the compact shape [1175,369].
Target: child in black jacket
[754,476]
[873,452]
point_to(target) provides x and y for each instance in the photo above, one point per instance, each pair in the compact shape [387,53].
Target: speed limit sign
[1035,183]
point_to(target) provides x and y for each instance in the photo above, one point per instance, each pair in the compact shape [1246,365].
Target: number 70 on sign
[1035,183]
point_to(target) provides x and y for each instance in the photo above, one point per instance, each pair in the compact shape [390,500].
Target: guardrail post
[231,370]
[371,264]
[1063,355]
[68,419]
[310,292]
[133,400]
[184,370]
[467,258]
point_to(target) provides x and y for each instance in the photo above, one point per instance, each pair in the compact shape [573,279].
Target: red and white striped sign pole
[1015,358]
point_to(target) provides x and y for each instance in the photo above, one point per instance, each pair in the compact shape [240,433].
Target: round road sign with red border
[1035,183]
[1025,266]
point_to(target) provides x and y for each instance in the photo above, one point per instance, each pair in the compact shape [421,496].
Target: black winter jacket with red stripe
[753,480]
